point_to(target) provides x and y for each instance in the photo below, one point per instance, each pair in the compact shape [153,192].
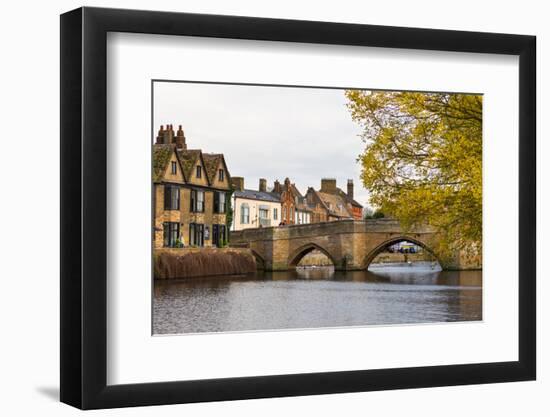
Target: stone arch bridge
[350,244]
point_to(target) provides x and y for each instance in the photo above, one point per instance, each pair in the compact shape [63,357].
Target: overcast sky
[267,132]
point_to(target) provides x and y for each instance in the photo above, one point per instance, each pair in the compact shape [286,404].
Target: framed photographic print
[257,207]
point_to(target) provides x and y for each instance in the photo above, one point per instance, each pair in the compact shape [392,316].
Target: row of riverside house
[192,189]
[285,205]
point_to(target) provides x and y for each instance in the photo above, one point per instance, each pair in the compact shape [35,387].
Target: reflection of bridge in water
[349,244]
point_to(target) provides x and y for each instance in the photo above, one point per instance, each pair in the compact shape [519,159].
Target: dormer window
[199,171]
[220,175]
[174,168]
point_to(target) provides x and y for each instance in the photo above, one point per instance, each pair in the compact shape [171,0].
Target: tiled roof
[187,159]
[335,204]
[211,162]
[257,195]
[161,155]
[345,196]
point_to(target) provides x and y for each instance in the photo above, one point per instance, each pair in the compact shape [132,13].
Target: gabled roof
[212,161]
[161,156]
[188,158]
[335,204]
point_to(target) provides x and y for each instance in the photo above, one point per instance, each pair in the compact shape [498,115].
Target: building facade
[191,193]
[254,208]
[330,203]
[295,209]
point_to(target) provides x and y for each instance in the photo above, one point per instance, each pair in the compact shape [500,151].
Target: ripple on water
[316,297]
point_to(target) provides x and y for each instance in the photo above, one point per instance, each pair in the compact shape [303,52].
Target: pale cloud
[267,132]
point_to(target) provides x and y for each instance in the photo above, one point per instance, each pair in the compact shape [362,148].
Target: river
[317,297]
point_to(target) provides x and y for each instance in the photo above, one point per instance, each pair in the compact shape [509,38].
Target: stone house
[191,193]
[331,203]
[254,208]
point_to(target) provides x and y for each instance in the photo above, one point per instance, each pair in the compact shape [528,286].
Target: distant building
[293,204]
[355,208]
[254,208]
[190,193]
[331,203]
[405,247]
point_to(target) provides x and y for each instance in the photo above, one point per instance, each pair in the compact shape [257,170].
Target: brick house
[353,206]
[191,193]
[294,207]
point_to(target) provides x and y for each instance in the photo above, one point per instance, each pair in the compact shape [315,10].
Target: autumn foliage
[422,161]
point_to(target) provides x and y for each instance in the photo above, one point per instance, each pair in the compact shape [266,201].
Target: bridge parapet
[325,228]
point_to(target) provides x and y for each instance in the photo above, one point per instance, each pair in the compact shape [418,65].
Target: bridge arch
[393,240]
[296,256]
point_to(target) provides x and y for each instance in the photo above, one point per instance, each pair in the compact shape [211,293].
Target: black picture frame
[84,207]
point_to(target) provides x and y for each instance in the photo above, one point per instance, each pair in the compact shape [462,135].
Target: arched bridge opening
[402,249]
[310,254]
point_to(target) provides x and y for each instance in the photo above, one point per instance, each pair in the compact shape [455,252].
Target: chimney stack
[277,187]
[169,135]
[263,185]
[350,189]
[287,183]
[237,183]
[328,185]
[160,136]
[180,139]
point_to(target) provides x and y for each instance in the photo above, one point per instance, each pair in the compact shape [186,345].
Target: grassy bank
[194,262]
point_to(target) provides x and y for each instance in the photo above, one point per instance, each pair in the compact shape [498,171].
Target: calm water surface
[317,297]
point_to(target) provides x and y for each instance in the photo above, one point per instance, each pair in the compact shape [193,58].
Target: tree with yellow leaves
[422,161]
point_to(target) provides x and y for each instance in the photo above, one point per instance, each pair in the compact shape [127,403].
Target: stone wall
[184,216]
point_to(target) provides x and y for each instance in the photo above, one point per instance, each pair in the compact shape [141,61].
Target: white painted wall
[254,213]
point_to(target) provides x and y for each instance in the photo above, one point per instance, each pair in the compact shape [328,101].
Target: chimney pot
[180,139]
[160,135]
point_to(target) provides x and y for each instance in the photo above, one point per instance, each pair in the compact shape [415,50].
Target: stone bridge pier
[349,244]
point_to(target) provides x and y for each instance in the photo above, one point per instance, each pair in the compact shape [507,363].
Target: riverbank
[182,263]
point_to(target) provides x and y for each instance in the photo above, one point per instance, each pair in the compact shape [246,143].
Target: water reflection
[316,297]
